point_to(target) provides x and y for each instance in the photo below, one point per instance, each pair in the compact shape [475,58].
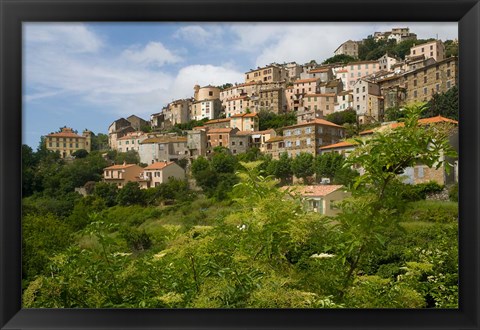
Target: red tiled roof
[158,166]
[342,144]
[275,139]
[423,121]
[214,121]
[315,121]
[119,167]
[316,191]
[219,130]
[66,132]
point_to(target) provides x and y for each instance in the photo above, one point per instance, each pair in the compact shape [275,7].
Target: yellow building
[67,141]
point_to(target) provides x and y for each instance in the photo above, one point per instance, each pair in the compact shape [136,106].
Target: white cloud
[69,37]
[202,75]
[302,42]
[208,33]
[153,53]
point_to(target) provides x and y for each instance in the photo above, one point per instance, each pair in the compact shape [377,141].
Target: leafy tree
[394,114]
[302,166]
[386,155]
[131,194]
[328,164]
[81,153]
[42,236]
[365,218]
[146,128]
[341,58]
[251,155]
[129,157]
[281,168]
[342,117]
[200,164]
[223,162]
[451,48]
[99,141]
[107,191]
[445,104]
[182,162]
[270,120]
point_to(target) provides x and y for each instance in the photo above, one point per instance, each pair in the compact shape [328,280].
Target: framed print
[239,164]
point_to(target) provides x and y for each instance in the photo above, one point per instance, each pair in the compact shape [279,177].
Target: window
[448,73]
[240,143]
[320,130]
[297,131]
[415,83]
[437,75]
[437,87]
[220,137]
[71,145]
[50,144]
[57,144]
[233,143]
[425,90]
[449,84]
[308,130]
[289,144]
[297,143]
[309,141]
[414,93]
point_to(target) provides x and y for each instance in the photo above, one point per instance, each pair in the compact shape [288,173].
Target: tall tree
[302,166]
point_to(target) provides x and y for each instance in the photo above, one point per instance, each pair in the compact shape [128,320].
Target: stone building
[163,148]
[219,137]
[274,146]
[434,49]
[423,83]
[240,143]
[67,141]
[310,136]
[206,103]
[269,73]
[349,48]
[197,143]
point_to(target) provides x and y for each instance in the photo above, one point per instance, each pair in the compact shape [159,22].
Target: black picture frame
[14,12]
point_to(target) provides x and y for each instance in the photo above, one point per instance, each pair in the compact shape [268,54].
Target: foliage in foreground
[262,249]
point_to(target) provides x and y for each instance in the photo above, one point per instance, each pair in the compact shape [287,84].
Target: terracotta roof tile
[119,167]
[342,144]
[315,121]
[158,165]
[315,191]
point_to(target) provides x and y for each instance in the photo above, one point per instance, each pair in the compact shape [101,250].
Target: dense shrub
[453,193]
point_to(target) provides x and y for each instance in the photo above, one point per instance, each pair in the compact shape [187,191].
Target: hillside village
[303,186]
[228,116]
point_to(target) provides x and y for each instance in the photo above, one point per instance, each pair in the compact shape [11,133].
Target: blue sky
[86,75]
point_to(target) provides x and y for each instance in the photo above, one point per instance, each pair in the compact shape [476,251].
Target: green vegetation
[244,243]
[443,104]
[342,59]
[341,117]
[373,50]
[269,120]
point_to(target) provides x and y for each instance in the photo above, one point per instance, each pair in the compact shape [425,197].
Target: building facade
[67,141]
[311,136]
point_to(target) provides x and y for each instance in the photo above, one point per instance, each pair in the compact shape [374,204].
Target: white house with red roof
[321,198]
